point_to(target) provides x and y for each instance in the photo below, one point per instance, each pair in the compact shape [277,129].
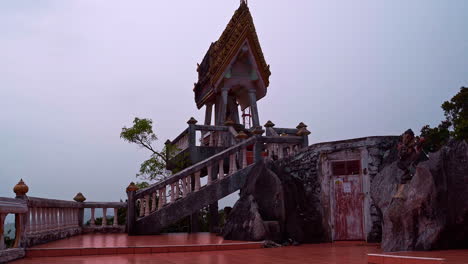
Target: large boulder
[274,206]
[434,211]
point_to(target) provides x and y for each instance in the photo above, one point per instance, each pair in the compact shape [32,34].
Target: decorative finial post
[21,189]
[79,197]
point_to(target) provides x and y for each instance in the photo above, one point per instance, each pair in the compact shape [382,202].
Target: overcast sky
[72,73]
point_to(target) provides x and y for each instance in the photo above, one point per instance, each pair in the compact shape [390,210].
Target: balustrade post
[197,181]
[2,231]
[232,163]
[172,192]
[104,216]
[258,149]
[210,171]
[221,169]
[92,221]
[192,132]
[131,209]
[160,200]
[116,217]
[147,207]
[164,190]
[153,202]
[211,142]
[177,192]
[32,220]
[184,187]
[188,184]
[63,219]
[53,218]
[45,218]
[244,157]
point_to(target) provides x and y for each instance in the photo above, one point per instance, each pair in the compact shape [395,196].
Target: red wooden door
[348,209]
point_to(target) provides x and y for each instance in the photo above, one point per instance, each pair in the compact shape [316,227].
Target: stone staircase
[166,202]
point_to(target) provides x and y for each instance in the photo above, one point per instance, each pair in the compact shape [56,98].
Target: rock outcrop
[434,211]
[273,206]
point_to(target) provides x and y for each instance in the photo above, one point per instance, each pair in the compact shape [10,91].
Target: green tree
[141,133]
[456,112]
[455,125]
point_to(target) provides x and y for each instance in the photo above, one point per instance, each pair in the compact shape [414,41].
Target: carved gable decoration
[221,52]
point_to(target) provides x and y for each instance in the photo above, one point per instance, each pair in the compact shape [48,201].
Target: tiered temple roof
[221,53]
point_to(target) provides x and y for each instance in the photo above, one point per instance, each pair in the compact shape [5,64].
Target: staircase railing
[154,197]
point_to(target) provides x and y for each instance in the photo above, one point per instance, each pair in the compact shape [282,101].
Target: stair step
[60,252]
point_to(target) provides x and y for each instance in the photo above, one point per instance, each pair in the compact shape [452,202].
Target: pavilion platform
[208,248]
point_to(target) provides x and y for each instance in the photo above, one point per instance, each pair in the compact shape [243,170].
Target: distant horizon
[73,73]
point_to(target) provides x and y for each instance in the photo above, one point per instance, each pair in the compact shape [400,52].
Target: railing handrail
[12,207]
[211,128]
[196,167]
[46,202]
[104,205]
[36,202]
[181,135]
[283,139]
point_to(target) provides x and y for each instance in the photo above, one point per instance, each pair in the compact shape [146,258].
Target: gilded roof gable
[220,53]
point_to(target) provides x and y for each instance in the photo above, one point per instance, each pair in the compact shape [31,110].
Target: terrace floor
[208,248]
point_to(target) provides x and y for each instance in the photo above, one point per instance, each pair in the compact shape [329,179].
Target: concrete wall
[313,165]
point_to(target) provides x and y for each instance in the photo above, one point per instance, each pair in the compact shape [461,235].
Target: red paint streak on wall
[348,208]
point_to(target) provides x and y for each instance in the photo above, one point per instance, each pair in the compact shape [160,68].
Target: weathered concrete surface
[172,212]
[434,214]
[50,235]
[294,193]
[103,229]
[11,254]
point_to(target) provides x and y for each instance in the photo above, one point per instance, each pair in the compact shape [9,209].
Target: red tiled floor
[335,253]
[338,253]
[123,240]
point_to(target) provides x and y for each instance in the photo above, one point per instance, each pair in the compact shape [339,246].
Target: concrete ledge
[395,259]
[11,254]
